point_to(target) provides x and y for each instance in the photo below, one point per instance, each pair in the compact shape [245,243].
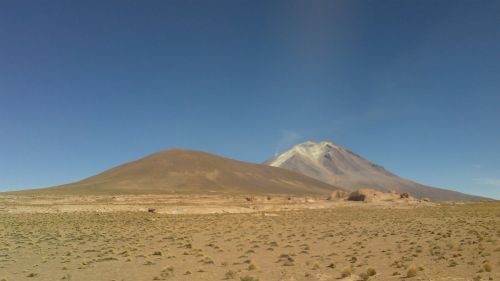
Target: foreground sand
[316,241]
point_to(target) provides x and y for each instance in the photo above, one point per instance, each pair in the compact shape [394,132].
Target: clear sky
[411,85]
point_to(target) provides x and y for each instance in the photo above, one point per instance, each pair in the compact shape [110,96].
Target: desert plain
[245,238]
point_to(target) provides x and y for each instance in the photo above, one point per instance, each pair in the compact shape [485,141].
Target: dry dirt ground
[223,238]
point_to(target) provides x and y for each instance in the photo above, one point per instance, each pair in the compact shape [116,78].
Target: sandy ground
[231,238]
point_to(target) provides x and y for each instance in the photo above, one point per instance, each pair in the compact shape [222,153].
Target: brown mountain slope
[191,172]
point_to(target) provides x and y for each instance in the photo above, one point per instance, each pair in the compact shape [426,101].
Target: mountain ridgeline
[333,164]
[310,168]
[179,171]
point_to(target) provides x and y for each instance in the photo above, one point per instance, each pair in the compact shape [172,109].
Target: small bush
[346,272]
[364,276]
[412,272]
[252,266]
[371,271]
[230,274]
[487,267]
[167,271]
[207,260]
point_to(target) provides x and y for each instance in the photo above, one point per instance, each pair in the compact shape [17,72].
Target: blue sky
[411,85]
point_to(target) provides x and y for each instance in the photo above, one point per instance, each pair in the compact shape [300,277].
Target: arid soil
[182,204]
[254,238]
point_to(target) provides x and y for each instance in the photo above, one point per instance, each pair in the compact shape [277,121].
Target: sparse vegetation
[487,267]
[230,274]
[252,266]
[306,243]
[167,271]
[346,272]
[412,272]
[364,276]
[371,271]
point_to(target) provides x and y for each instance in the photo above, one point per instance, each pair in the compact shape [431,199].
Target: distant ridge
[333,164]
[179,171]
